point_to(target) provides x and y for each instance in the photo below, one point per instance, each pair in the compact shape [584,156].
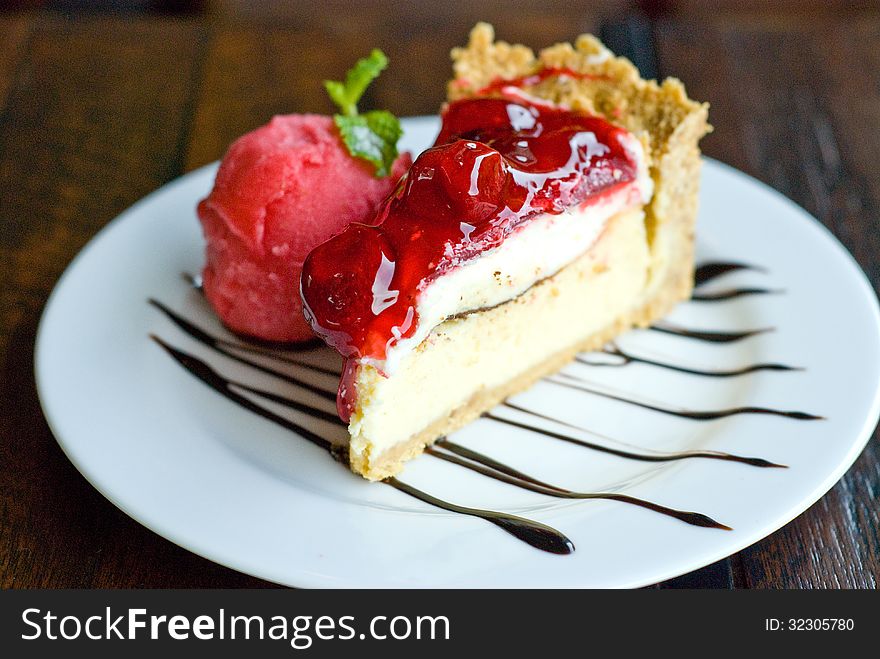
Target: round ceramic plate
[245,492]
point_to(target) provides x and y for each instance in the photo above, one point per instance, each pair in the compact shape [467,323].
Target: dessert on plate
[555,211]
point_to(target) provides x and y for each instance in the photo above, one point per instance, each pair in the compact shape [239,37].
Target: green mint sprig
[373,135]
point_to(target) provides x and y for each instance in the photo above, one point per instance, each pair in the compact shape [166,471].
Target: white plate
[243,492]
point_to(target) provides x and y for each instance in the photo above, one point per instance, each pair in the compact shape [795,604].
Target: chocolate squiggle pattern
[532,532]
[627,358]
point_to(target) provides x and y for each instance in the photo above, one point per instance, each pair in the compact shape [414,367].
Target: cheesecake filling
[512,191]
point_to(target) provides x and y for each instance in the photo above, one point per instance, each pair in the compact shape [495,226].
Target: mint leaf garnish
[373,135]
[346,95]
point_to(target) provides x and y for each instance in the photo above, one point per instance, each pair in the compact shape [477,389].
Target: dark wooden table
[97,110]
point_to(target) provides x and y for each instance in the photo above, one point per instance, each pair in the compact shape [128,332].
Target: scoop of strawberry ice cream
[281,190]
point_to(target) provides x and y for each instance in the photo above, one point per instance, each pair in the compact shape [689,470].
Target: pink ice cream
[281,190]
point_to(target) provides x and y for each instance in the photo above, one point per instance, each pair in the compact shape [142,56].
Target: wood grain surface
[98,110]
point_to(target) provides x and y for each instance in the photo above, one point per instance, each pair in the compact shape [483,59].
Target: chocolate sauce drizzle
[482,464]
[574,382]
[643,457]
[627,358]
[225,348]
[224,387]
[532,532]
[731,293]
[702,275]
[712,336]
[709,271]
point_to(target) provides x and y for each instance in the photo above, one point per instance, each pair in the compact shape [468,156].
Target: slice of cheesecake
[555,211]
